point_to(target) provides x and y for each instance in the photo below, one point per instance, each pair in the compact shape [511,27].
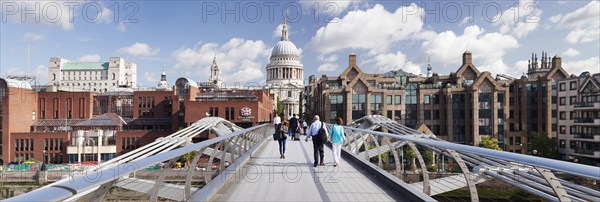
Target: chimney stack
[556,61]
[352,59]
[467,58]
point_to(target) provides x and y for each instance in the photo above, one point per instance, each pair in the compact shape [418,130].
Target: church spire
[284,33]
[215,73]
[162,84]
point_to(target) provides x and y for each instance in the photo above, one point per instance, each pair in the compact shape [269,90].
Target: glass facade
[376,106]
[359,107]
[336,108]
[458,118]
[411,105]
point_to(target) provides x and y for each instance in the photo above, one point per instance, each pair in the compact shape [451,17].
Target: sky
[184,36]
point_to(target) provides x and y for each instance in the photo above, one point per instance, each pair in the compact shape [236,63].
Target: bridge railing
[157,172]
[366,139]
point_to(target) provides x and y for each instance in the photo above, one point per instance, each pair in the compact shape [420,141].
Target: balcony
[587,136]
[587,105]
[587,121]
[588,152]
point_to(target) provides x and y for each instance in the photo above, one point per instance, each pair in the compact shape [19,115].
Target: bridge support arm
[426,186]
[466,173]
[558,189]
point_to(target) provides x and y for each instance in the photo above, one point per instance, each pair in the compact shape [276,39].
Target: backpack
[322,135]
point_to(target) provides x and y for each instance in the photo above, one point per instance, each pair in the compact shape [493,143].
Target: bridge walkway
[266,177]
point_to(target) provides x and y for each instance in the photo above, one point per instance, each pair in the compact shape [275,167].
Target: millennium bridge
[243,165]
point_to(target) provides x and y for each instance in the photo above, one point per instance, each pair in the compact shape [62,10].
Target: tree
[544,146]
[188,157]
[410,156]
[490,143]
[279,108]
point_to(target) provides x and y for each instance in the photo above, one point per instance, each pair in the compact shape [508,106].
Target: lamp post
[43,168]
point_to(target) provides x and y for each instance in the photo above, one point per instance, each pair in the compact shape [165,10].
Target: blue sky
[386,35]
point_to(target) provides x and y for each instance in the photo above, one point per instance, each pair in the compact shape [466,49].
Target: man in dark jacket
[293,127]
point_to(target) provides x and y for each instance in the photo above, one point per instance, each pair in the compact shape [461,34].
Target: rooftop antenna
[28,63]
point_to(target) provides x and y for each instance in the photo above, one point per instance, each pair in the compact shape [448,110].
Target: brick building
[460,107]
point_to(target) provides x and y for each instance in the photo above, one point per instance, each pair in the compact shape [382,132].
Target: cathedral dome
[284,48]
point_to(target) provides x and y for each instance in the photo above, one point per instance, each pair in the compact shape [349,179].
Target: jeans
[292,132]
[281,147]
[337,150]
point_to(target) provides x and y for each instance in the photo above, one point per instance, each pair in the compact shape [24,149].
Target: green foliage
[490,143]
[384,156]
[545,146]
[279,108]
[189,156]
[432,168]
[428,156]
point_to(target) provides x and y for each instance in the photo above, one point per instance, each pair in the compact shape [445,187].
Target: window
[573,85]
[562,115]
[553,99]
[572,129]
[375,103]
[517,140]
[572,115]
[289,93]
[572,100]
[389,114]
[226,113]
[562,87]
[511,141]
[562,144]
[435,99]
[553,113]
[397,114]
[358,105]
[436,114]
[554,127]
[388,99]
[427,114]
[397,99]
[563,129]
[562,101]
[426,99]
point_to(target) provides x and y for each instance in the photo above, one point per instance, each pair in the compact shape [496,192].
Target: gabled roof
[486,76]
[556,70]
[464,68]
[589,80]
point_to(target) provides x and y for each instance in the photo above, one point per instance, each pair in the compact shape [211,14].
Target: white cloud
[240,60]
[374,29]
[583,23]
[327,67]
[591,65]
[150,76]
[394,61]
[33,37]
[90,58]
[527,20]
[466,20]
[121,27]
[571,52]
[446,48]
[41,74]
[324,58]
[277,31]
[139,50]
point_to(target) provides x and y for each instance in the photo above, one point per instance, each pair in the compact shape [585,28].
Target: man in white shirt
[277,122]
[313,133]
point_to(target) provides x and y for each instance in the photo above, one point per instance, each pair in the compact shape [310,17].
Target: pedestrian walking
[337,139]
[277,122]
[282,138]
[304,126]
[313,132]
[293,127]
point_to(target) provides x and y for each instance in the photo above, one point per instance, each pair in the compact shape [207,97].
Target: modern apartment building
[578,118]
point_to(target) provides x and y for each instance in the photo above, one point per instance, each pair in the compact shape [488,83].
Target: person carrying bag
[281,138]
